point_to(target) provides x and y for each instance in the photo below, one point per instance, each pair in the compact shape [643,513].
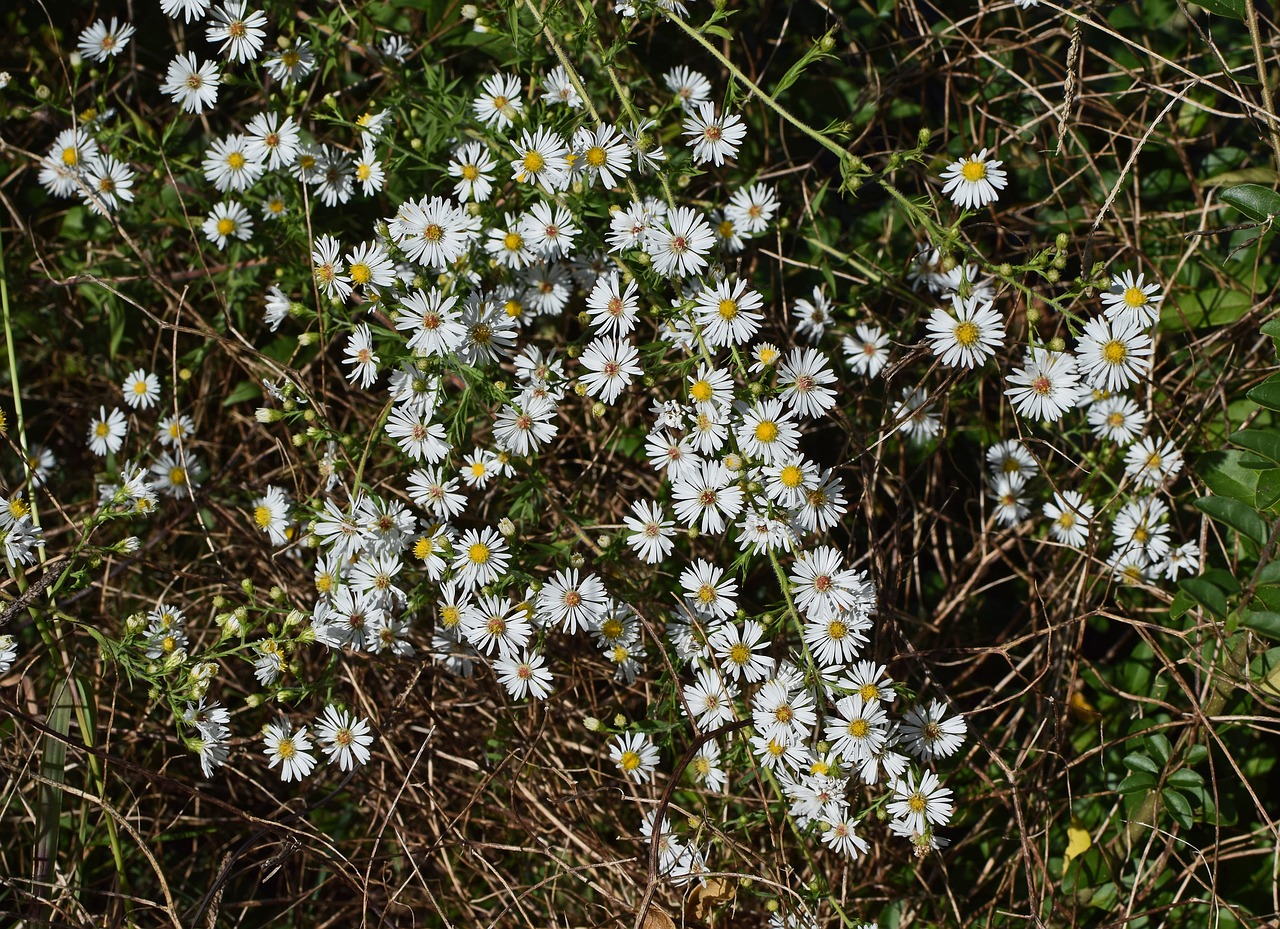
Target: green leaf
[1253,200]
[1178,807]
[1264,442]
[1263,622]
[245,390]
[1206,594]
[1182,602]
[1140,762]
[1268,489]
[1269,573]
[1224,474]
[1185,779]
[1138,782]
[1272,328]
[1267,393]
[1159,747]
[1242,518]
[1197,754]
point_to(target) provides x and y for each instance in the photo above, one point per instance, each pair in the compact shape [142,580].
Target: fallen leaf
[706,897]
[1078,842]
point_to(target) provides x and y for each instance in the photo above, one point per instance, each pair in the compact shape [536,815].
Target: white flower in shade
[650,533]
[1130,301]
[1010,503]
[108,181]
[713,138]
[71,152]
[491,622]
[228,165]
[1117,418]
[1046,386]
[526,425]
[361,357]
[473,166]
[974,181]
[708,497]
[968,338]
[240,32]
[290,750]
[1138,526]
[1151,461]
[708,591]
[432,491]
[613,308]
[635,755]
[343,737]
[1011,457]
[271,514]
[524,675]
[812,316]
[1113,354]
[1131,566]
[226,221]
[921,804]
[1069,514]
[499,102]
[293,63]
[548,230]
[929,733]
[645,144]
[100,41]
[328,269]
[727,315]
[840,837]
[557,88]
[915,415]
[802,376]
[541,158]
[751,209]
[678,243]
[740,652]
[868,353]
[1185,557]
[417,436]
[601,153]
[611,364]
[782,713]
[141,389]
[270,141]
[709,699]
[192,85]
[107,432]
[690,87]
[191,10]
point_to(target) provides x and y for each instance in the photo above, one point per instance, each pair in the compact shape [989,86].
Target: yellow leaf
[1078,842]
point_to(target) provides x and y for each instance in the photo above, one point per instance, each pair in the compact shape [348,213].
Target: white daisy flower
[141,389]
[709,699]
[611,364]
[708,591]
[548,230]
[328,269]
[290,750]
[802,376]
[740,652]
[921,804]
[1046,386]
[436,326]
[228,220]
[228,165]
[271,514]
[751,209]
[678,243]
[650,533]
[360,355]
[293,64]
[524,675]
[859,728]
[558,88]
[108,181]
[768,432]
[499,102]
[869,352]
[1117,418]
[100,41]
[1130,301]
[601,153]
[727,315]
[542,158]
[974,181]
[690,87]
[271,141]
[612,308]
[1113,354]
[968,338]
[812,316]
[708,497]
[635,756]
[1185,557]
[1011,504]
[915,415]
[240,33]
[713,138]
[1069,514]
[481,559]
[473,166]
[929,733]
[191,10]
[192,85]
[1151,461]
[576,603]
[107,432]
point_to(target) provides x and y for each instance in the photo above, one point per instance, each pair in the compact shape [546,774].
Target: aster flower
[750,209]
[100,41]
[108,181]
[524,674]
[1046,386]
[635,756]
[292,64]
[869,352]
[601,153]
[1069,514]
[289,750]
[192,85]
[690,87]
[727,315]
[679,242]
[499,101]
[611,364]
[1117,418]
[650,532]
[974,181]
[473,166]
[361,357]
[239,31]
[557,88]
[1113,354]
[1151,461]
[713,138]
[1130,301]
[141,389]
[107,432]
[968,338]
[541,158]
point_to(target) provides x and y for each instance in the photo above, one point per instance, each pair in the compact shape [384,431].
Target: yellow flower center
[262,516]
[1115,352]
[533,162]
[611,628]
[450,616]
[974,171]
[102,430]
[364,172]
[766,431]
[837,630]
[70,157]
[177,476]
[478,553]
[1134,297]
[423,548]
[595,156]
[285,749]
[728,309]
[726,230]
[361,273]
[512,241]
[470,172]
[700,391]
[967,333]
[235,161]
[513,308]
[140,387]
[791,476]
[859,728]
[1154,461]
[739,654]
[869,692]
[706,594]
[629,761]
[916,802]
[226,226]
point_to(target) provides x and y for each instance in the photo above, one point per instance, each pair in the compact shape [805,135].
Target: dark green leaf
[1140,762]
[1159,748]
[1242,518]
[1267,393]
[1182,601]
[1269,573]
[1268,489]
[1178,807]
[1186,779]
[245,390]
[1272,328]
[1138,781]
[1268,595]
[1263,622]
[1206,594]
[1253,200]
[1263,441]
[1227,477]
[1197,754]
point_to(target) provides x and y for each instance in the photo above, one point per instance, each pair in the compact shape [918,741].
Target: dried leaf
[700,904]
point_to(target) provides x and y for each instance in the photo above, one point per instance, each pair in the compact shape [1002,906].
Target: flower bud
[576,560]
[506,527]
[1057,344]
[592,724]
